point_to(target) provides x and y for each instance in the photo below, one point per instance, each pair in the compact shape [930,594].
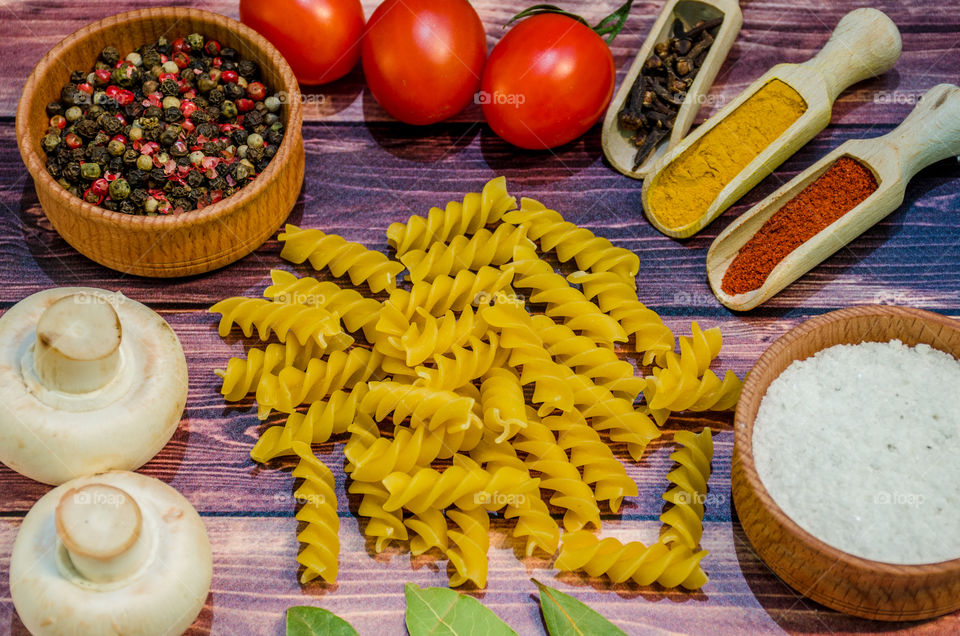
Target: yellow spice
[692,181]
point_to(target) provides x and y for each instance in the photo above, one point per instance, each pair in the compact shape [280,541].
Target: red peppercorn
[59,121]
[212,47]
[216,196]
[121,119]
[184,87]
[72,141]
[166,76]
[217,62]
[124,97]
[244,105]
[121,138]
[256,91]
[230,77]
[190,94]
[181,59]
[188,126]
[163,59]
[100,186]
[149,148]
[180,44]
[102,75]
[187,108]
[92,197]
[85,87]
[111,91]
[119,63]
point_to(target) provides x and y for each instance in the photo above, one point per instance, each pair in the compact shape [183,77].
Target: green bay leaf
[304,620]
[566,616]
[440,611]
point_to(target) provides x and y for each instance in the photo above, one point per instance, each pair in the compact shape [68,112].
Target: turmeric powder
[689,184]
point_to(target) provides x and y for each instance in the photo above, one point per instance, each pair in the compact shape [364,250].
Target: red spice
[844,186]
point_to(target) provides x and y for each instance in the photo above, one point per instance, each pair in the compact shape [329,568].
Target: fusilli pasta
[483,248]
[306,323]
[321,543]
[684,521]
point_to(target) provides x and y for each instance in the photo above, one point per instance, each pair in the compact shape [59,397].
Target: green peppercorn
[170,67]
[242,151]
[73,113]
[150,205]
[228,110]
[116,147]
[195,40]
[135,134]
[134,58]
[119,189]
[196,157]
[254,140]
[50,142]
[170,102]
[90,171]
[272,103]
[162,158]
[145,163]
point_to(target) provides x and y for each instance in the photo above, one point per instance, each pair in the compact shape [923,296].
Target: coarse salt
[860,446]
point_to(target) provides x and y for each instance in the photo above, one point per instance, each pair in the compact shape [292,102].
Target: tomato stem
[608,28]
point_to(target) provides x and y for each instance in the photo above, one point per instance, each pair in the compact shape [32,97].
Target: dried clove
[657,94]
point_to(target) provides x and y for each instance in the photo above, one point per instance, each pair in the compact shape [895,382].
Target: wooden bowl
[176,245]
[844,582]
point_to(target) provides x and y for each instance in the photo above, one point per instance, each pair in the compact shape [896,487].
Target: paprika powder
[844,186]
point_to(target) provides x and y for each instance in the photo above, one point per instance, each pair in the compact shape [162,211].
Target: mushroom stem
[78,344]
[100,526]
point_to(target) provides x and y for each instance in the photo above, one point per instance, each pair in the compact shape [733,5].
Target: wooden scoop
[929,134]
[865,43]
[618,143]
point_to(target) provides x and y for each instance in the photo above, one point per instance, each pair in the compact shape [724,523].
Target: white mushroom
[89,381]
[114,553]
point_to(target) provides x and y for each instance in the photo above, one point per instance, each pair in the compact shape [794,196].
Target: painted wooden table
[365,171]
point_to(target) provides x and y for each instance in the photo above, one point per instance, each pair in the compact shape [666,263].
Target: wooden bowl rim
[743,437]
[36,165]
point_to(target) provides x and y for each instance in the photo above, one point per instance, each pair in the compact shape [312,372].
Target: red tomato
[423,58]
[547,82]
[319,38]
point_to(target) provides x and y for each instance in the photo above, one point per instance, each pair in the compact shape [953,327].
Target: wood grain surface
[364,171]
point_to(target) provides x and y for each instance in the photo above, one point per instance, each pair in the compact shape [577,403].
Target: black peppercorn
[274,138]
[55,108]
[194,179]
[138,196]
[110,204]
[78,76]
[110,55]
[101,139]
[136,178]
[130,156]
[169,87]
[72,171]
[150,58]
[252,119]
[133,110]
[127,207]
[248,69]
[158,175]
[239,136]
[112,125]
[206,130]
[228,65]
[172,114]
[54,169]
[228,53]
[87,129]
[216,96]
[233,91]
[152,112]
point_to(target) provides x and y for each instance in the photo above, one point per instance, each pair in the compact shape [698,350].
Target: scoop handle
[930,133]
[866,43]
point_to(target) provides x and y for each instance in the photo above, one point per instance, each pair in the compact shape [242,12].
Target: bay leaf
[440,611]
[304,620]
[566,616]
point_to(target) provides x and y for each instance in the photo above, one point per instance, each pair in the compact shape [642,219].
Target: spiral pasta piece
[340,256]
[669,566]
[557,473]
[591,252]
[684,520]
[597,463]
[429,530]
[383,526]
[320,549]
[534,521]
[465,485]
[580,353]
[476,211]
[619,300]
[423,405]
[465,366]
[372,458]
[357,312]
[305,323]
[291,387]
[445,293]
[469,544]
[679,386]
[321,421]
[503,404]
[463,252]
[436,336]
[564,302]
[242,375]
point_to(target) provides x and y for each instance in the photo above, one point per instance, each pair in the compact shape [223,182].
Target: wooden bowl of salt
[898,588]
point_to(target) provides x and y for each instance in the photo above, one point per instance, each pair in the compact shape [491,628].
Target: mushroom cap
[53,436]
[162,596]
